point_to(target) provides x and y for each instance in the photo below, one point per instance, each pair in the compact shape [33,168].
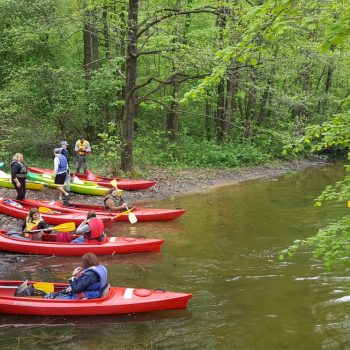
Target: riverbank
[170,183]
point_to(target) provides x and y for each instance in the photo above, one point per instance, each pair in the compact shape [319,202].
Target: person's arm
[110,204]
[56,163]
[88,148]
[80,284]
[15,168]
[77,147]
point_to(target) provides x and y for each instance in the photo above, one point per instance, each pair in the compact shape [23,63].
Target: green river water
[224,251]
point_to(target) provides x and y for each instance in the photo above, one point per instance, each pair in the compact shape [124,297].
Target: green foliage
[156,149]
[330,244]
[333,134]
[108,149]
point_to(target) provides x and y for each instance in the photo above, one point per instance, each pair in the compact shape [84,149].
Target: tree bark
[130,87]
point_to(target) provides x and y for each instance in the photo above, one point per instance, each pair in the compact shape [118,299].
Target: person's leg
[68,182]
[83,163]
[24,189]
[78,164]
[62,192]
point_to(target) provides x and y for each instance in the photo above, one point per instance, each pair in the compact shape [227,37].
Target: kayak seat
[106,290]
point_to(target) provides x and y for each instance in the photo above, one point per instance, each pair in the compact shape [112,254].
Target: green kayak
[77,186]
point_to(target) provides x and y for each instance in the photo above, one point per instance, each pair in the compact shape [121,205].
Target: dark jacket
[18,170]
[83,282]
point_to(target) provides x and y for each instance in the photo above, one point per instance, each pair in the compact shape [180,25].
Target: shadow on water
[27,321]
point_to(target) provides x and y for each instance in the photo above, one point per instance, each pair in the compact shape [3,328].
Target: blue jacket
[91,282]
[63,164]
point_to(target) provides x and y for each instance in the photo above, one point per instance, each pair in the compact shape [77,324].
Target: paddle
[45,210]
[46,287]
[131,216]
[124,212]
[65,227]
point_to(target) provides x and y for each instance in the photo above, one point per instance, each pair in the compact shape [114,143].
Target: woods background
[183,82]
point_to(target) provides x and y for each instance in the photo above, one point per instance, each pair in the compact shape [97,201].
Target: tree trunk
[208,112]
[87,42]
[130,86]
[174,113]
[106,34]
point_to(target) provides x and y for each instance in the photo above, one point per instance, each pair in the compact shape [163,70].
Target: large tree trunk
[90,40]
[130,87]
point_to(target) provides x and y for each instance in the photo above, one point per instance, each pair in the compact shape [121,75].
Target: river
[224,251]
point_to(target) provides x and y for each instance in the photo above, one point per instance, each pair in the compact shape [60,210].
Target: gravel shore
[170,182]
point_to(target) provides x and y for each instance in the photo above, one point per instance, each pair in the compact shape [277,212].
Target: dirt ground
[170,183]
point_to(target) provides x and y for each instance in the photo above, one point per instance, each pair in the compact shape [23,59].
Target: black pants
[21,191]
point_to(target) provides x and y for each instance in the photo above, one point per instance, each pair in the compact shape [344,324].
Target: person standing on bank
[18,175]
[60,172]
[82,149]
[64,151]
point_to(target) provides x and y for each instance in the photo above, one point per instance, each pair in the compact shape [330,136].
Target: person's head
[89,260]
[91,215]
[56,151]
[81,138]
[33,214]
[115,193]
[64,144]
[18,157]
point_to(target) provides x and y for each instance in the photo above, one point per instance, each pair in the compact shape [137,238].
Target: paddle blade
[348,204]
[44,286]
[45,210]
[132,218]
[66,227]
[114,183]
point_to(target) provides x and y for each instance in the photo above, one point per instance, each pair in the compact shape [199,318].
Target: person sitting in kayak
[34,221]
[92,228]
[88,281]
[114,200]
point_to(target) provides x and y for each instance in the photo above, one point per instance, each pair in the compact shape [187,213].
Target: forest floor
[170,183]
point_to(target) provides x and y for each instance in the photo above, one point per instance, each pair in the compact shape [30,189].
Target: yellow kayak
[5,181]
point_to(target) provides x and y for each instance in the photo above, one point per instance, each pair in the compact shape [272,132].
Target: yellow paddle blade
[45,210]
[66,227]
[124,212]
[46,287]
[349,204]
[114,183]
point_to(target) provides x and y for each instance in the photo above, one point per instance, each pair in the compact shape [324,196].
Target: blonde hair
[16,157]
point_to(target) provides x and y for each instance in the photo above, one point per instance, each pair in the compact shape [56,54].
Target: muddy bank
[170,183]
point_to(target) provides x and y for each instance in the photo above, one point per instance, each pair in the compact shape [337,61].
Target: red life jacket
[96,228]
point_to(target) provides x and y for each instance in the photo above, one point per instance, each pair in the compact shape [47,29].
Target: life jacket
[95,290]
[32,224]
[23,170]
[96,228]
[117,201]
[62,164]
[84,145]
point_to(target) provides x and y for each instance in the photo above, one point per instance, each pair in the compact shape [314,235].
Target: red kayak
[123,184]
[109,246]
[16,209]
[116,300]
[142,214]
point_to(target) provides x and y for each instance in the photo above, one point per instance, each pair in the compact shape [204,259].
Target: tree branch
[175,12]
